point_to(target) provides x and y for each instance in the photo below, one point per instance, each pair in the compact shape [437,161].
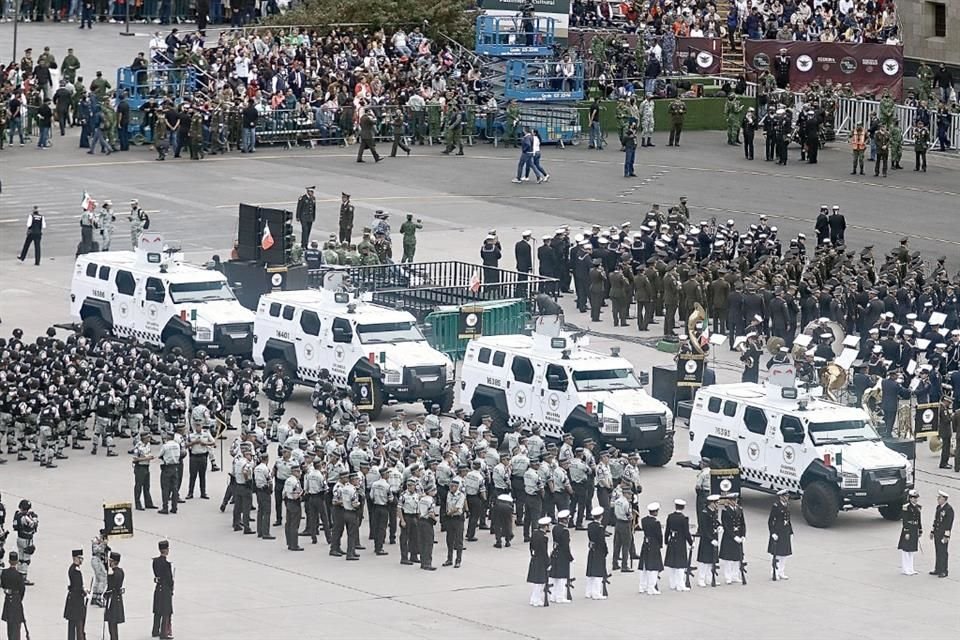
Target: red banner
[707,52]
[869,68]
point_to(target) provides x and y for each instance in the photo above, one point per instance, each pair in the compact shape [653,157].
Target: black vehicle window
[91,270]
[498,358]
[556,377]
[310,323]
[288,312]
[342,332]
[104,273]
[713,406]
[755,419]
[522,370]
[275,309]
[791,429]
[155,291]
[729,409]
[125,283]
[484,355]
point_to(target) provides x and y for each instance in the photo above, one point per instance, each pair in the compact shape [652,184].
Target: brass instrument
[815,328]
[871,404]
[832,378]
[694,332]
[774,344]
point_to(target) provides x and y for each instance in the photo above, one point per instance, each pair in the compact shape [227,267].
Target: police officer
[169,460]
[314,486]
[407,513]
[292,493]
[623,530]
[25,523]
[313,257]
[456,508]
[263,485]
[351,497]
[141,473]
[199,443]
[36,223]
[427,516]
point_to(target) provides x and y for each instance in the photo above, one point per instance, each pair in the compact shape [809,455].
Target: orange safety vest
[858,140]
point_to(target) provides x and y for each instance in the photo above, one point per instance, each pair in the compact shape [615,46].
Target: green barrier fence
[500,317]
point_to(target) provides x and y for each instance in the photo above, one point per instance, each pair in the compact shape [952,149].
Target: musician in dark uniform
[539,565]
[678,539]
[597,556]
[75,608]
[14,586]
[113,612]
[940,533]
[751,359]
[560,559]
[910,533]
[651,558]
[162,593]
[778,523]
[707,547]
[731,543]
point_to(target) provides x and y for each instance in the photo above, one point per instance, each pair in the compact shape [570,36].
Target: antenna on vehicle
[565,354]
[615,352]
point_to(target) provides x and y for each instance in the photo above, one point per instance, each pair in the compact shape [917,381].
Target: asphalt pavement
[845,581]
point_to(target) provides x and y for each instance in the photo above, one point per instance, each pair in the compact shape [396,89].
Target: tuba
[774,344]
[833,377]
[694,329]
[871,404]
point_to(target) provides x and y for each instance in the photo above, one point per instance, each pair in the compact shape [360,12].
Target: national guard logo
[553,401]
[308,351]
[704,59]
[520,398]
[471,319]
[118,519]
[690,366]
[927,417]
[152,311]
[753,451]
[276,279]
[804,63]
[363,393]
[726,485]
[761,62]
[338,353]
[124,309]
[848,65]
[789,455]
[470,322]
[890,67]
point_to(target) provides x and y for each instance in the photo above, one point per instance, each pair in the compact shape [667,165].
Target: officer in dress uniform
[306,214]
[910,533]
[14,586]
[778,523]
[940,533]
[597,557]
[75,608]
[162,593]
[113,613]
[346,218]
[731,542]
[678,541]
[539,566]
[651,559]
[707,547]
[560,560]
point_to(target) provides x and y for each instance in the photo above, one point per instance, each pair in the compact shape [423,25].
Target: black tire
[820,504]
[446,401]
[499,424]
[582,433]
[95,329]
[892,511]
[183,342]
[660,456]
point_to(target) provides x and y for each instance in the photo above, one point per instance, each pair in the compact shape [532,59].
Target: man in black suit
[162,594]
[524,255]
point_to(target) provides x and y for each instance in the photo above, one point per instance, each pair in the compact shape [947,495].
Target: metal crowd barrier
[422,287]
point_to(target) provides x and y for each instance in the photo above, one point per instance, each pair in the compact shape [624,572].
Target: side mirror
[554,383]
[342,335]
[792,435]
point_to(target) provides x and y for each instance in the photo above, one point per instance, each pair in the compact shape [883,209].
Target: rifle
[688,572]
[743,567]
[570,582]
[713,568]
[606,581]
[26,629]
[773,562]
[546,593]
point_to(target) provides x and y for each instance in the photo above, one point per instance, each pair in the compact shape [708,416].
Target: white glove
[715,543]
[775,537]
[737,539]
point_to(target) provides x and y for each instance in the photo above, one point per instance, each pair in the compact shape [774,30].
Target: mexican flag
[267,240]
[87,203]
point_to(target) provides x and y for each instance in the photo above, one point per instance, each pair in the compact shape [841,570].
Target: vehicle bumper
[638,440]
[877,489]
[420,383]
[230,342]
